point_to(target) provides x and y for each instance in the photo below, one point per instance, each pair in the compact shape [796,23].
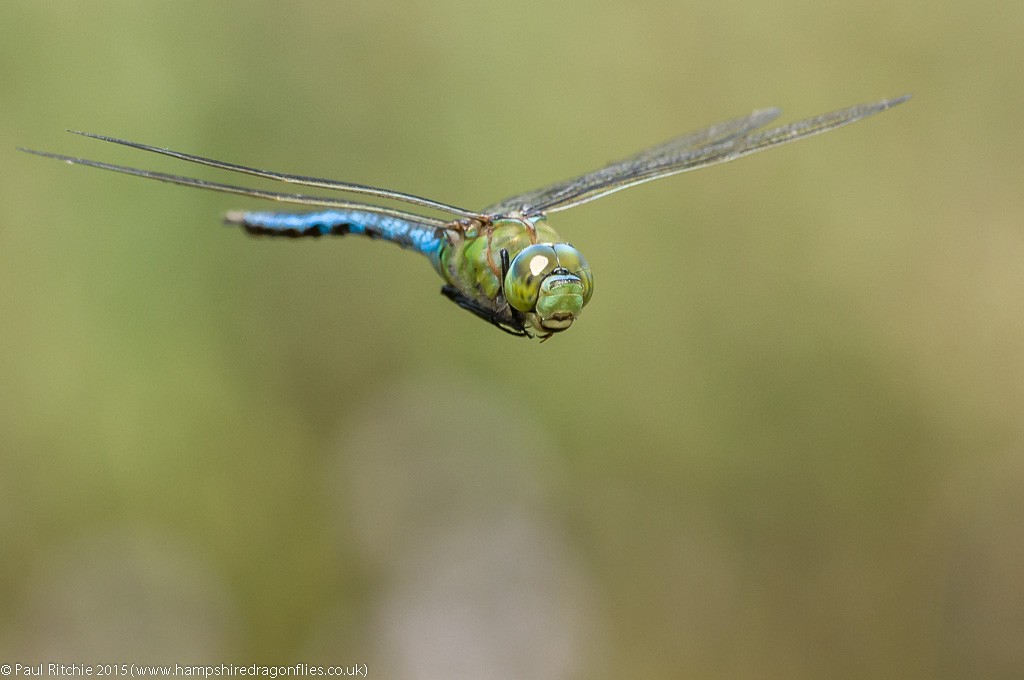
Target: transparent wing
[245,191]
[716,144]
[718,133]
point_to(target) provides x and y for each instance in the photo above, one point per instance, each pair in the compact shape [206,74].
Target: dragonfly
[505,264]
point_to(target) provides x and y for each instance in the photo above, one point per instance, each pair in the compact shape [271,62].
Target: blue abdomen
[419,237]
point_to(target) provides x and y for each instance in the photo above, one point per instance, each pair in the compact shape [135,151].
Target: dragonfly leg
[505,264]
[512,327]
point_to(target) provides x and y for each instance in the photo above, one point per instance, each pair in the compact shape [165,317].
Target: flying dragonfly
[504,264]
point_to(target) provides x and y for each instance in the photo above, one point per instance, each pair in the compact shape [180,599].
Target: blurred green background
[785,440]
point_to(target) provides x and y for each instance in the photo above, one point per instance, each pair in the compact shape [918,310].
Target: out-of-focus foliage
[785,440]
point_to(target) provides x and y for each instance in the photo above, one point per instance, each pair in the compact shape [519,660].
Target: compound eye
[525,274]
[573,260]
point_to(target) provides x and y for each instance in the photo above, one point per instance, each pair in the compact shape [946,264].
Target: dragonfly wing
[291,179]
[720,132]
[666,160]
[300,199]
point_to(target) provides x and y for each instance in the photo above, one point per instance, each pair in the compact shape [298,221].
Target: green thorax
[472,262]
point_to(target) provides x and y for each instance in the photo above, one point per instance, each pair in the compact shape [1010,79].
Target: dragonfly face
[551,281]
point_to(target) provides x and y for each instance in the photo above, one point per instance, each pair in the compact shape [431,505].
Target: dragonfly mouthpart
[558,321]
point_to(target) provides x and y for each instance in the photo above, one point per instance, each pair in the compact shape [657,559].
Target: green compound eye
[573,260]
[528,269]
[556,275]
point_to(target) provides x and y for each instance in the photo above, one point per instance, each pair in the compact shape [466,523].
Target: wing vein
[301,199]
[302,180]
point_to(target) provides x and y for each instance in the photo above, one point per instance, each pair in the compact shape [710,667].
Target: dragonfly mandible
[504,264]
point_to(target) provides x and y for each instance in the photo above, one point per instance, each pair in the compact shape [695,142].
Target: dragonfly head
[551,283]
